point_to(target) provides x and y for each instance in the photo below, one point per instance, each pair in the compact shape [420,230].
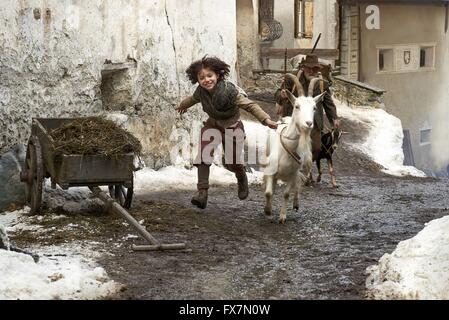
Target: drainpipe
[446,22]
[359,51]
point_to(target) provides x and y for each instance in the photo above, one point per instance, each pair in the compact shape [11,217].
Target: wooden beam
[263,71]
[114,67]
[275,53]
[360,84]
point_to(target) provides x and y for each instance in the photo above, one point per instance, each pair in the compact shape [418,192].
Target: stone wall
[263,83]
[262,86]
[356,93]
[53,53]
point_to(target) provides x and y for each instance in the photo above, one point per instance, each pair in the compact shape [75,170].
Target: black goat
[329,143]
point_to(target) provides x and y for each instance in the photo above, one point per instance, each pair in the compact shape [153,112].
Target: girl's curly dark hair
[218,66]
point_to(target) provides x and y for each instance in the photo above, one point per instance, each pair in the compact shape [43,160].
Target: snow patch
[131,237]
[417,269]
[61,276]
[4,240]
[119,118]
[384,142]
[63,272]
[175,178]
[11,218]
[23,226]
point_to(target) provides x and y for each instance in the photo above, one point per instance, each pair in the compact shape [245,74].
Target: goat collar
[331,149]
[328,151]
[293,154]
[285,128]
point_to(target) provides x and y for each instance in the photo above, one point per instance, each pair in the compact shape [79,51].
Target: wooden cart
[68,170]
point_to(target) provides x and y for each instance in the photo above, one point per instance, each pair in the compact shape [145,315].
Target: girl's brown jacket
[241,101]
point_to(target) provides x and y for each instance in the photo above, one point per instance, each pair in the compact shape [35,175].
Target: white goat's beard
[305,144]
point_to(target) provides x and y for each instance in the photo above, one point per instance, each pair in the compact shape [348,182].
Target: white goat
[296,143]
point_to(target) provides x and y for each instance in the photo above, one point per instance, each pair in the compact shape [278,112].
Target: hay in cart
[94,136]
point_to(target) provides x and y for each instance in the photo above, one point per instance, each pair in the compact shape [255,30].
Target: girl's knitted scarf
[221,104]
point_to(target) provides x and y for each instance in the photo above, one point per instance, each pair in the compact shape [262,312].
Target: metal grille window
[425,135]
[269,28]
[303,18]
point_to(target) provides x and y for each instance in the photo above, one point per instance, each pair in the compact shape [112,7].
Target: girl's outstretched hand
[182,109]
[270,123]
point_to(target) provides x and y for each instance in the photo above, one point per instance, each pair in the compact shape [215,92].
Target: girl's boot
[199,199]
[242,182]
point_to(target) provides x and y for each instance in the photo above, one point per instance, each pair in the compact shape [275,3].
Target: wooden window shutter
[308,14]
[297,18]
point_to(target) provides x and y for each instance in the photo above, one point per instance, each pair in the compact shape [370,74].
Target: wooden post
[114,207]
[285,61]
[159,247]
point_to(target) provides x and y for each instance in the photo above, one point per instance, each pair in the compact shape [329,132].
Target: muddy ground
[236,252]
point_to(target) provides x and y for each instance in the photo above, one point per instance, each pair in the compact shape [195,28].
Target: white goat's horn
[291,97]
[319,97]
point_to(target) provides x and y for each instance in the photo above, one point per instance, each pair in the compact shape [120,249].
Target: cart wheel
[122,195]
[33,175]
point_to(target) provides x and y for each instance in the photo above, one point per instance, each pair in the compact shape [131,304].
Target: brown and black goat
[329,143]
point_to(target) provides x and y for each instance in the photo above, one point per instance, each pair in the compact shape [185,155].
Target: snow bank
[180,176]
[417,269]
[384,142]
[70,277]
[63,272]
[175,178]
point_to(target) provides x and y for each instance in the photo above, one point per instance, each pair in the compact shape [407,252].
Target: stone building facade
[74,58]
[401,47]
